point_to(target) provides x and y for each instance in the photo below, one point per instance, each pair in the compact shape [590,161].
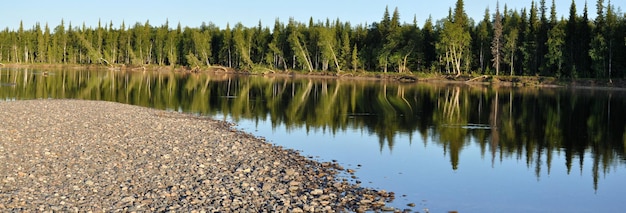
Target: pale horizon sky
[193,13]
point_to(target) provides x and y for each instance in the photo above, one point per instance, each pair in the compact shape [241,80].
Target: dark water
[441,147]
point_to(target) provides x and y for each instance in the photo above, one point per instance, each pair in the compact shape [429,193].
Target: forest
[527,42]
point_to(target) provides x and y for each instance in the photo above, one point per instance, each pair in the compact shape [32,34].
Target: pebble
[93,156]
[317,192]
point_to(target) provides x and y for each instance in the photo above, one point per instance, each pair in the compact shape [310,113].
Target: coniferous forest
[531,41]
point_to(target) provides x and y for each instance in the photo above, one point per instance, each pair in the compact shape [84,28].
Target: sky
[193,13]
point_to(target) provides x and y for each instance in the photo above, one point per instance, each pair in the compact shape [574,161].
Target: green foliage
[454,44]
[192,60]
[510,48]
[497,42]
[555,57]
[529,41]
[483,39]
[243,45]
[354,59]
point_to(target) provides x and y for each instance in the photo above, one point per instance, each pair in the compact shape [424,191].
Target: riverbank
[500,81]
[72,155]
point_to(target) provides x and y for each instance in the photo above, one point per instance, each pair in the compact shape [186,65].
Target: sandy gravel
[77,156]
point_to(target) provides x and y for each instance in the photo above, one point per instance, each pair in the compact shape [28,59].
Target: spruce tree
[484,40]
[496,44]
[584,31]
[598,43]
[571,43]
[354,60]
[428,43]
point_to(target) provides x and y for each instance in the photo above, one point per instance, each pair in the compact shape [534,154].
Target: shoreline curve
[76,155]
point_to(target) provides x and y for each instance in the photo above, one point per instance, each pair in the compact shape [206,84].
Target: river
[439,147]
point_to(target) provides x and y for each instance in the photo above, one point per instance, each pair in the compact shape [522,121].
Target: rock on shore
[72,155]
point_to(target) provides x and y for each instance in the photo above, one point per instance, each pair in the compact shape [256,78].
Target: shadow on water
[527,124]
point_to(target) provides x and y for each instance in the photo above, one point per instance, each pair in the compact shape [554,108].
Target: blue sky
[193,12]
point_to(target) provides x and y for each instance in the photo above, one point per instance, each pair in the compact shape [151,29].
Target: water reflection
[529,124]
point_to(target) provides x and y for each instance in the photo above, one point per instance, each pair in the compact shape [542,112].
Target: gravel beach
[80,156]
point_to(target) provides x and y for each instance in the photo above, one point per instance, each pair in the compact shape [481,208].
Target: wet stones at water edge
[69,155]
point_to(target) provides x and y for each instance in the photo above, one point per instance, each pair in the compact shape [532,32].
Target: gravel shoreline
[78,156]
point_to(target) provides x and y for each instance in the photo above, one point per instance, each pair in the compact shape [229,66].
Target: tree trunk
[17,59]
[150,54]
[334,56]
[304,56]
[230,65]
[512,63]
[405,62]
[206,58]
[284,63]
[25,54]
[610,59]
[456,59]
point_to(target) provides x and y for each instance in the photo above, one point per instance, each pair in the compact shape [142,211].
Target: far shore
[414,77]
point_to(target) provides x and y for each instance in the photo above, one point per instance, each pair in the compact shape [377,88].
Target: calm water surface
[441,147]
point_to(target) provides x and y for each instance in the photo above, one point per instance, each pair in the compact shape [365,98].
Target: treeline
[531,41]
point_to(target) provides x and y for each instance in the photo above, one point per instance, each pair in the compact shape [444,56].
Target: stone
[317,192]
[127,199]
[121,163]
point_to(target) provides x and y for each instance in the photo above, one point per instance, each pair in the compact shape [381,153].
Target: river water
[439,147]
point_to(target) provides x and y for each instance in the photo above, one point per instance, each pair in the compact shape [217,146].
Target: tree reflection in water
[523,123]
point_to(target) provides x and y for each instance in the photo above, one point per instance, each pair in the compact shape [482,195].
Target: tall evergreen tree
[584,32]
[40,51]
[530,52]
[484,40]
[610,34]
[50,53]
[260,41]
[497,42]
[60,39]
[428,43]
[345,51]
[354,58]
[542,37]
[21,48]
[460,17]
[571,43]
[98,39]
[554,57]
[226,52]
[598,43]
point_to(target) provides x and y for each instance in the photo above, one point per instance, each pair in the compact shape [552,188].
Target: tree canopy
[530,41]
